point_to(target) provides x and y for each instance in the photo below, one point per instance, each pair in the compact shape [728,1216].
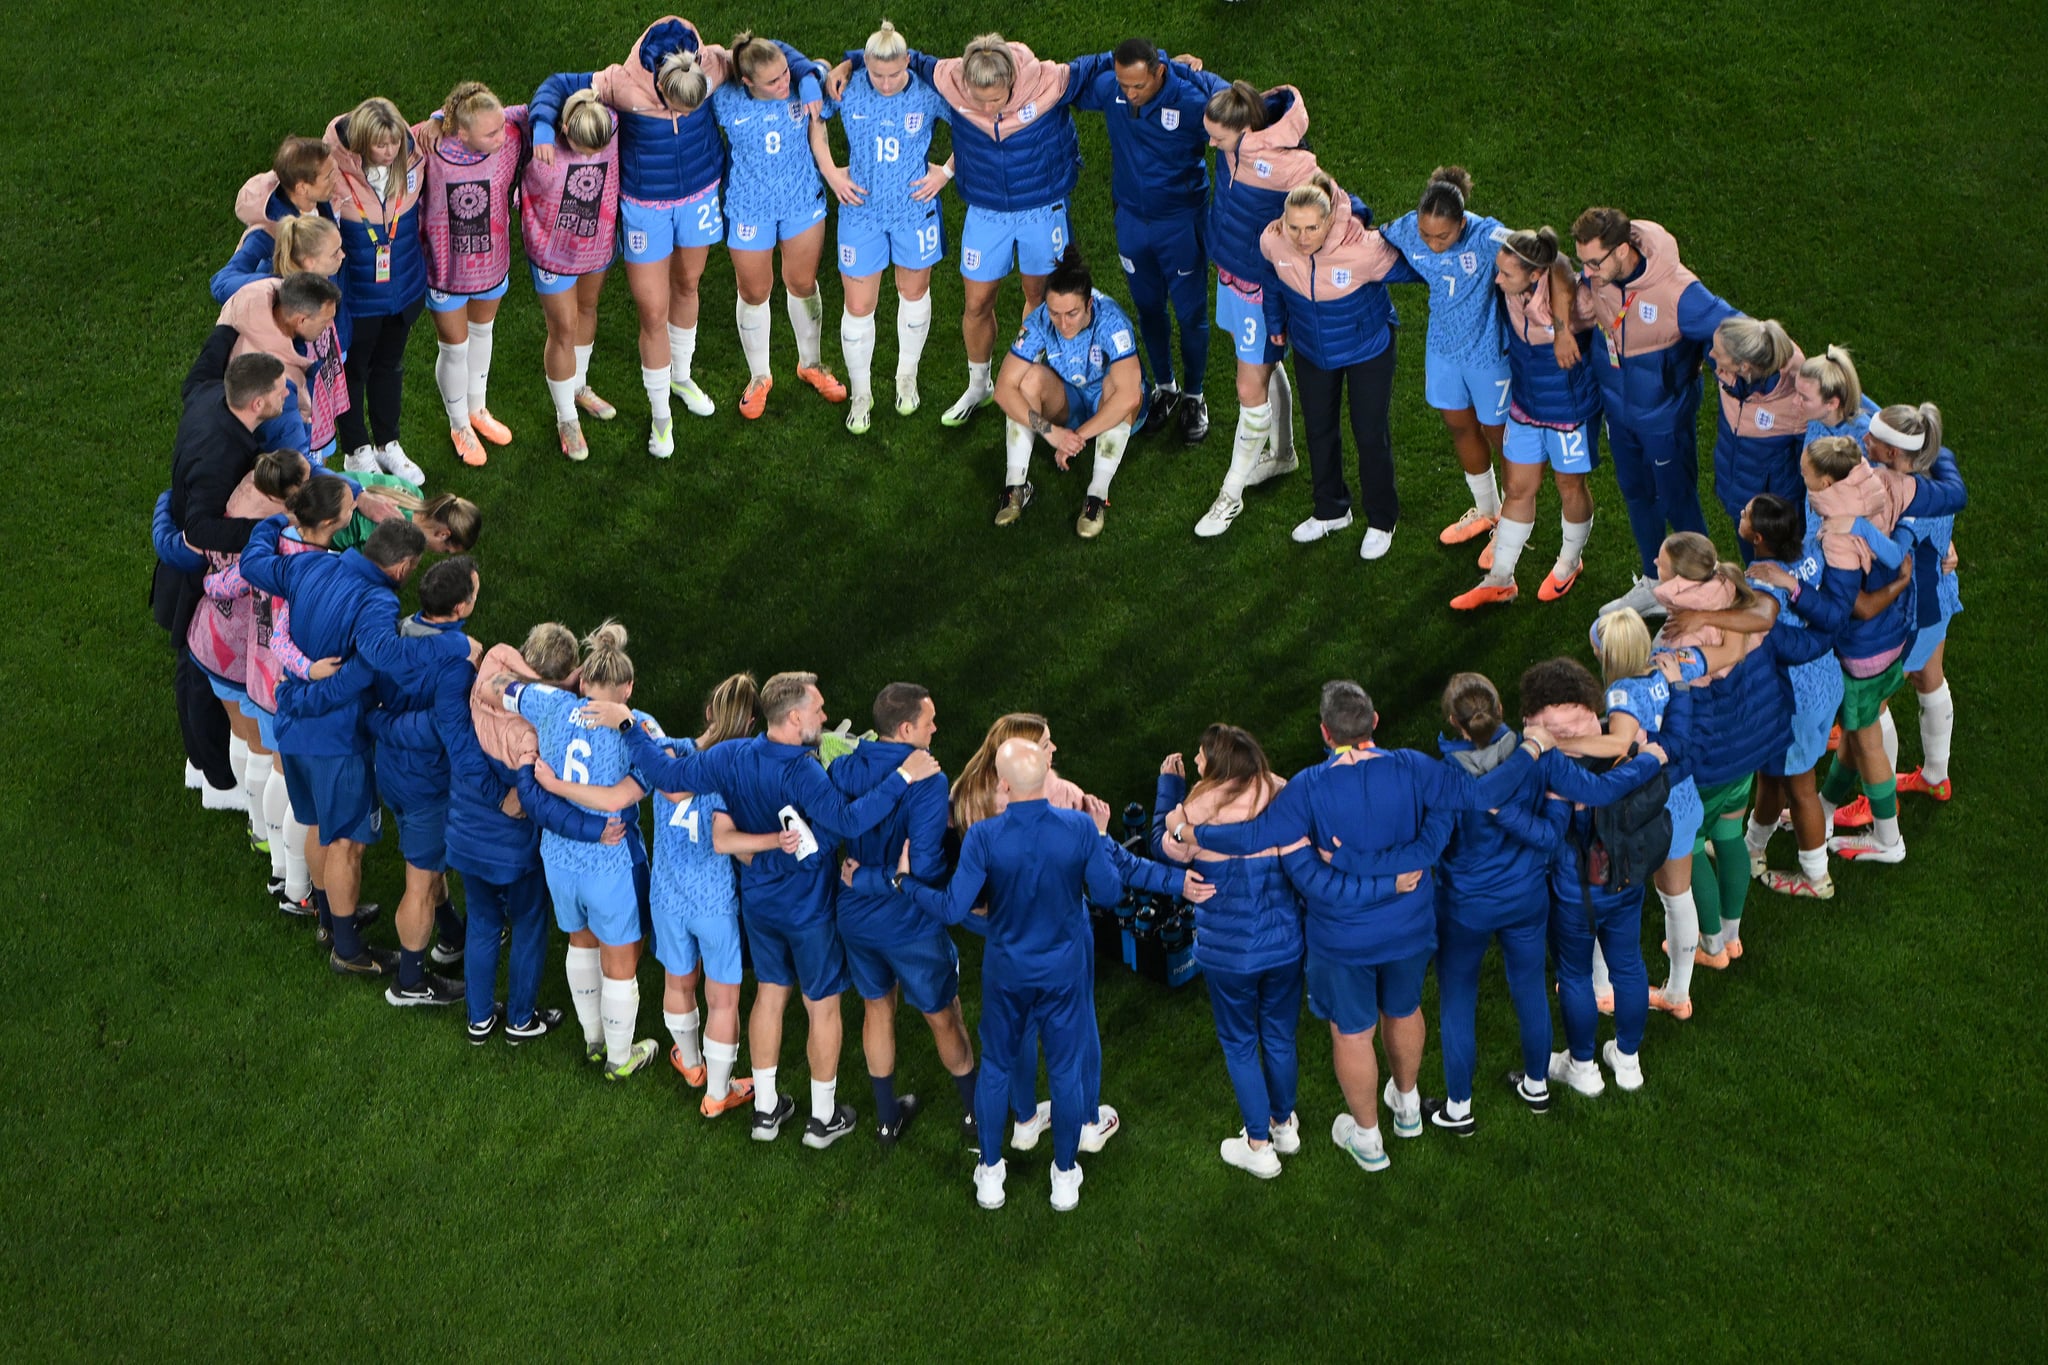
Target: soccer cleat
[366,915]
[392,459]
[1554,588]
[822,1133]
[828,384]
[537,1025]
[1407,1122]
[1486,556]
[1472,525]
[754,401]
[1271,467]
[274,888]
[861,415]
[1916,781]
[966,405]
[1799,886]
[1376,543]
[570,434]
[1866,848]
[361,460]
[1066,1188]
[1089,524]
[768,1126]
[1439,1115]
[1315,528]
[1286,1134]
[373,962]
[1024,1133]
[1759,862]
[593,1049]
[661,439]
[1679,1010]
[988,1184]
[694,398]
[1641,598]
[1583,1077]
[467,446]
[741,1092]
[479,1034]
[1194,419]
[489,427]
[1262,1162]
[636,1060]
[1369,1152]
[1221,513]
[431,990]
[908,399]
[1165,403]
[1701,957]
[693,1076]
[1095,1136]
[445,954]
[1626,1066]
[1485,594]
[257,845]
[889,1134]
[1016,498]
[1855,815]
[587,399]
[1537,1100]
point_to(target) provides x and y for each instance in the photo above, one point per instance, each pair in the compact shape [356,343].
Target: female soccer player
[596,900]
[1259,137]
[1761,426]
[889,213]
[774,196]
[1247,940]
[1464,375]
[380,171]
[472,165]
[1071,376]
[1331,304]
[1550,421]
[570,227]
[1909,442]
[1831,397]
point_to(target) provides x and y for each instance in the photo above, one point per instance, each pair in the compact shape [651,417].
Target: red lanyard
[1615,340]
[369,221]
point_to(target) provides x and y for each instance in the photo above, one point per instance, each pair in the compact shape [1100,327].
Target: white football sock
[451,377]
[824,1099]
[1017,441]
[1888,730]
[1937,732]
[1280,399]
[480,334]
[682,351]
[298,878]
[753,324]
[1758,834]
[1886,828]
[1485,492]
[256,774]
[563,391]
[1813,863]
[585,977]
[719,1059]
[276,803]
[1457,1109]
[1603,984]
[656,384]
[684,1028]
[1407,1102]
[764,1090]
[1573,551]
[238,757]
[977,379]
[583,364]
[913,325]
[1682,932]
[1731,930]
[807,317]
[1508,539]
[1254,425]
[857,344]
[1109,453]
[620,1003]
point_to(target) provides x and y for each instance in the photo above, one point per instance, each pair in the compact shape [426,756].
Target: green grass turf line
[213,1147]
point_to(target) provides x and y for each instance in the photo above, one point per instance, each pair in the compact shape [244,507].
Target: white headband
[1896,439]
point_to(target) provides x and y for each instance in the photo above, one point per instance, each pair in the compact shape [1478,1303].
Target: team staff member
[1332,306]
[381,172]
[1159,185]
[293,319]
[569,225]
[300,182]
[1071,376]
[1652,320]
[1760,426]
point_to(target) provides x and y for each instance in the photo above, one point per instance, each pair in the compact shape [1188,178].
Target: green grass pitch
[212,1148]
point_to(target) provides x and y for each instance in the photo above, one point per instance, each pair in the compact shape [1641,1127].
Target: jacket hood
[1477,759]
[502,734]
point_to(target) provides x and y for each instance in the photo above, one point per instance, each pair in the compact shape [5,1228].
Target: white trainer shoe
[1221,513]
[1376,543]
[860,414]
[194,779]
[1626,1066]
[235,798]
[1262,1162]
[1095,1136]
[1066,1188]
[1407,1122]
[694,398]
[1640,598]
[1024,1136]
[1362,1145]
[361,460]
[392,459]
[1583,1077]
[908,400]
[988,1184]
[661,439]
[1287,1136]
[1315,528]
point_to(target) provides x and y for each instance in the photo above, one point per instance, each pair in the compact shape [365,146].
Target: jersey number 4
[685,819]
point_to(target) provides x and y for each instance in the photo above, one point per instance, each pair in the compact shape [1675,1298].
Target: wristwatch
[626,726]
[896,881]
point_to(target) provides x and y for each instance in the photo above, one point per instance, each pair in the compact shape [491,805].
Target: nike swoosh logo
[1119,99]
[856,115]
[1185,272]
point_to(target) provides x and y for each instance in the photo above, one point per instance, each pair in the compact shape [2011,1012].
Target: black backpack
[1630,840]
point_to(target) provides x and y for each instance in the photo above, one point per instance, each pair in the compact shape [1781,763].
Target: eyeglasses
[1595,262]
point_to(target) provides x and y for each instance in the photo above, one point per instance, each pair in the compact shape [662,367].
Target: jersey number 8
[774,143]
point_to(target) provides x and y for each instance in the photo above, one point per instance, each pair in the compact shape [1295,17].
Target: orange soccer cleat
[467,446]
[1553,588]
[1681,1010]
[824,381]
[1471,526]
[489,427]
[742,1093]
[694,1075]
[1855,815]
[1484,595]
[1915,781]
[754,401]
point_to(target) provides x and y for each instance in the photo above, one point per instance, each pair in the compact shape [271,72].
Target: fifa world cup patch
[636,240]
[1340,277]
[1766,420]
[1121,339]
[1169,119]
[1647,312]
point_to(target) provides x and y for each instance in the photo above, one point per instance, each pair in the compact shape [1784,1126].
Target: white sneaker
[1287,1136]
[1865,848]
[194,779]
[392,459]
[860,414]
[1066,1188]
[1583,1077]
[966,405]
[1221,513]
[661,439]
[1362,1145]
[361,460]
[1262,1162]
[1270,467]
[234,798]
[1640,598]
[988,1184]
[694,398]
[1407,1122]
[1095,1136]
[1376,543]
[908,400]
[1315,529]
[1626,1066]
[1024,1136]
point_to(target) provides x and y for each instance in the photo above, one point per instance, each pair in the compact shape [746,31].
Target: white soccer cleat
[1626,1066]
[1315,528]
[1025,1135]
[988,1184]
[1376,543]
[1221,513]
[1867,848]
[361,460]
[1287,1136]
[661,439]
[694,398]
[392,459]
[1262,1162]
[1583,1077]
[1066,1188]
[908,400]
[1095,1136]
[966,405]
[860,415]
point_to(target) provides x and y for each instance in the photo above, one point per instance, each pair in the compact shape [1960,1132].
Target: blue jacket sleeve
[1085,90]
[1532,827]
[546,106]
[323,696]
[1561,775]
[1171,791]
[1827,607]
[250,263]
[557,816]
[955,901]
[1419,854]
[1939,492]
[1700,312]
[169,541]
[1281,823]
[1404,273]
[1795,646]
[821,802]
[1313,877]
[1452,788]
[467,763]
[928,830]
[262,565]
[1142,873]
[415,730]
[375,639]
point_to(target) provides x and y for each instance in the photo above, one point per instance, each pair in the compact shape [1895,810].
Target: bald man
[1037,867]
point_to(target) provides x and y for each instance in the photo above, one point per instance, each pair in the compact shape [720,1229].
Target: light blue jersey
[773,176]
[578,753]
[1642,697]
[888,139]
[1082,360]
[1461,307]
[690,881]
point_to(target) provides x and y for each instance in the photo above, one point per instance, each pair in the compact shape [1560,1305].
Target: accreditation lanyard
[370,223]
[1617,334]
